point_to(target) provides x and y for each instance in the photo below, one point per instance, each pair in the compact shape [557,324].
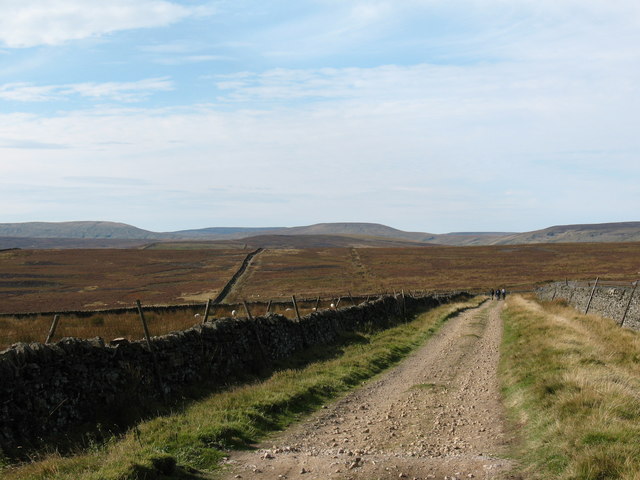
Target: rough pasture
[55,280]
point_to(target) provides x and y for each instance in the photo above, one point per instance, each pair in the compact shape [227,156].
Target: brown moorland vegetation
[310,271]
[276,273]
[59,280]
[63,280]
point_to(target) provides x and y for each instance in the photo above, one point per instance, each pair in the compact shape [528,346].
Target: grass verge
[185,443]
[572,385]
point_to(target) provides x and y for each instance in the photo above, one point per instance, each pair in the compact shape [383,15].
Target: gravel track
[437,415]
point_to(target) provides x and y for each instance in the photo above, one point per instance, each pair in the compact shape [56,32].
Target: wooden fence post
[151,350]
[52,330]
[338,302]
[144,325]
[635,285]
[317,303]
[206,310]
[352,301]
[591,296]
[268,308]
[295,306]
[404,308]
[246,309]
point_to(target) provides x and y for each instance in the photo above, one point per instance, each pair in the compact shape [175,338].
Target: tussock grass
[176,445]
[572,383]
[107,325]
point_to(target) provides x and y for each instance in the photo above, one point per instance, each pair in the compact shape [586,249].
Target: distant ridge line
[59,235]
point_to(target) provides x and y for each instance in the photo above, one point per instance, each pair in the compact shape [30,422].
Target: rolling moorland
[93,279]
[36,283]
[174,271]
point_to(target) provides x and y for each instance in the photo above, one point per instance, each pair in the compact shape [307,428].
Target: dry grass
[34,328]
[573,385]
[107,326]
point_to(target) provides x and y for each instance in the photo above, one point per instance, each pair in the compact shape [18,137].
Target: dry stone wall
[610,302]
[50,390]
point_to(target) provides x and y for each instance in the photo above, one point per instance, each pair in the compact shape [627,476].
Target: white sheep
[233,313]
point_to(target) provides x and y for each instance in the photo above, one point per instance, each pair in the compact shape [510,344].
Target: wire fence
[129,322]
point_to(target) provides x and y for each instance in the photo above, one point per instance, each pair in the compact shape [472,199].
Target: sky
[424,115]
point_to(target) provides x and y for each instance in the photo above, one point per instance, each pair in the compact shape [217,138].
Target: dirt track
[437,415]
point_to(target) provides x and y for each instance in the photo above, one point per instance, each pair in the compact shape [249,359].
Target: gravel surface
[437,415]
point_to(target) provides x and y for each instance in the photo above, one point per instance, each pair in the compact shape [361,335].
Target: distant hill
[345,228]
[111,234]
[598,232]
[32,243]
[294,241]
[375,232]
[75,230]
[226,232]
[466,239]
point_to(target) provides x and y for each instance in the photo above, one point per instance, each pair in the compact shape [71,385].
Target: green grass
[195,439]
[572,386]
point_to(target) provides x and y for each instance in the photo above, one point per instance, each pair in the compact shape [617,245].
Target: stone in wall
[609,302]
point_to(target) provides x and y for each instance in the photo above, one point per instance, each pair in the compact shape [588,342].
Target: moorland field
[37,281]
[326,272]
[61,280]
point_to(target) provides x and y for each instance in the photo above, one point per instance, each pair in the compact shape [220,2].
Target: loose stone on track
[437,415]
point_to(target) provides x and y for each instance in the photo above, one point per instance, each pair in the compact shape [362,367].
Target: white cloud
[391,162]
[186,59]
[27,23]
[502,130]
[116,91]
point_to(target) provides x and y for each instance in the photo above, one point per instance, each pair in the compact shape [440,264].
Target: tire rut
[436,415]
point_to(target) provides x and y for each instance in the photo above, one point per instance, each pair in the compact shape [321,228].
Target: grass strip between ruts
[195,439]
[571,384]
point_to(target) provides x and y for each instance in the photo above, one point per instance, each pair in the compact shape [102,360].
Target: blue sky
[425,115]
